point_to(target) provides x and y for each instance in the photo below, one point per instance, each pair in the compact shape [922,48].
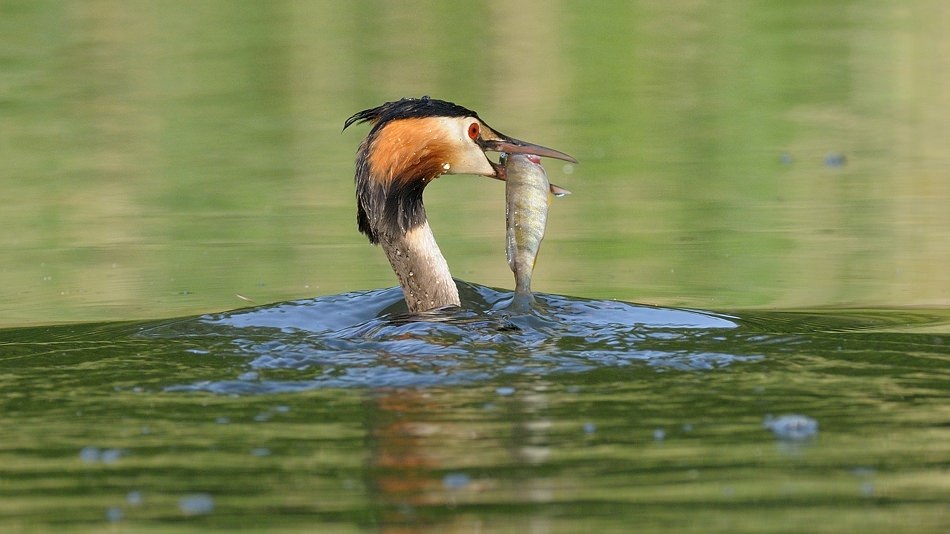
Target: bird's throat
[422,270]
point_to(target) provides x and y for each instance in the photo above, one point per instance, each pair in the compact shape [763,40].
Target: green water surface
[783,162]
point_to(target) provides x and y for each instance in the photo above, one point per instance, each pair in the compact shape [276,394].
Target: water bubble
[659,434]
[110,456]
[792,427]
[196,504]
[114,514]
[590,428]
[835,159]
[134,498]
[505,391]
[456,481]
[90,455]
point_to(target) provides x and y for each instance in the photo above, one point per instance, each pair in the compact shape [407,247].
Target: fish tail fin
[523,301]
[558,191]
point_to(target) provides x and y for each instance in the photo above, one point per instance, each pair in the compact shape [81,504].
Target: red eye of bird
[473,131]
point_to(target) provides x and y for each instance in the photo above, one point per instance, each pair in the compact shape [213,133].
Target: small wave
[366,339]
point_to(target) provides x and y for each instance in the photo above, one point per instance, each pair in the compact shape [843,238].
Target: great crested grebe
[412,142]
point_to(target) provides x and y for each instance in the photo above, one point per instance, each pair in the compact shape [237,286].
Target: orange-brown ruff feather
[406,151]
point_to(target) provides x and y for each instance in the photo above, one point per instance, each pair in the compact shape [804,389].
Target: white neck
[421,269]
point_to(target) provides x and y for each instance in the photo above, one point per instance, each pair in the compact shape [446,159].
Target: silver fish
[527,200]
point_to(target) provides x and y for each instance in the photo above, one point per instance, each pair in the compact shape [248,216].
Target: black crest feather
[407,108]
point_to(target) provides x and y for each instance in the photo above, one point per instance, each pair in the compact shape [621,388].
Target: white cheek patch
[455,127]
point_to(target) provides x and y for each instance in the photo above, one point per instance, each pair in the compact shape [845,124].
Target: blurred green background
[168,158]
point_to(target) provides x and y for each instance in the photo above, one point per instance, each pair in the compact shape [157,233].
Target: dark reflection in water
[344,412]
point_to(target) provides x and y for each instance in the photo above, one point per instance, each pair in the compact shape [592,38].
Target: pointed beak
[514,146]
[492,141]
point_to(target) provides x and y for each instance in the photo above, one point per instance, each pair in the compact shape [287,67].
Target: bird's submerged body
[527,195]
[411,143]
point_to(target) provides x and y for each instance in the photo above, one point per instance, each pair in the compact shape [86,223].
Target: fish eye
[473,131]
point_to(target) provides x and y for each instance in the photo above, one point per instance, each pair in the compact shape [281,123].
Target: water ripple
[366,339]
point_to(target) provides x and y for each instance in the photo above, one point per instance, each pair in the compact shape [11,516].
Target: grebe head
[412,142]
